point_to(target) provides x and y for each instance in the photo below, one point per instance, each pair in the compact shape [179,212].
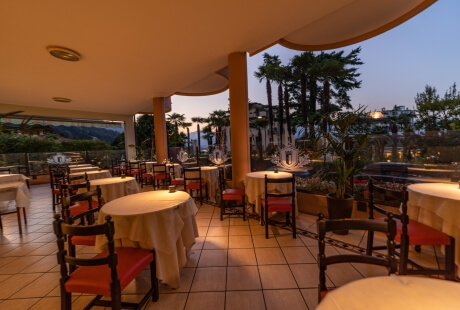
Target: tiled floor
[231,266]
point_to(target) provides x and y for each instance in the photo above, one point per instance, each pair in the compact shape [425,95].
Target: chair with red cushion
[324,226]
[57,176]
[80,209]
[410,233]
[146,176]
[107,273]
[176,180]
[160,175]
[233,195]
[194,182]
[275,201]
[134,169]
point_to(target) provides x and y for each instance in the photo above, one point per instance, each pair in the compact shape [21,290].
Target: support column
[239,117]
[159,119]
[130,138]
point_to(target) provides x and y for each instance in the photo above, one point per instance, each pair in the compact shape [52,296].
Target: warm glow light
[376,114]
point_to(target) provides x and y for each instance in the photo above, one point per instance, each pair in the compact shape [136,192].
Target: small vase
[339,209]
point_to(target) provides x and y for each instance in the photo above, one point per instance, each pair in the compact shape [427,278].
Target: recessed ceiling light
[63,53]
[61,99]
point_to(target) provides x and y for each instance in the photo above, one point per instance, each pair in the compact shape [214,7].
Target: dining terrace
[231,266]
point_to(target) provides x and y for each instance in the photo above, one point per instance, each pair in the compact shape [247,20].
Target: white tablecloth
[437,205]
[155,220]
[116,187]
[254,184]
[93,175]
[394,292]
[5,178]
[17,191]
[83,169]
[149,166]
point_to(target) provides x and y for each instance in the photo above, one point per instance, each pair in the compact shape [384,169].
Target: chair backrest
[58,177]
[324,226]
[92,199]
[192,175]
[290,192]
[160,169]
[82,178]
[65,231]
[386,194]
[3,170]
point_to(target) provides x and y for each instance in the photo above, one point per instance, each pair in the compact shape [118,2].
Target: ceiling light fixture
[61,99]
[63,53]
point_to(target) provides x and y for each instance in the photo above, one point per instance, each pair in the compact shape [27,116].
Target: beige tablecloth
[5,178]
[83,169]
[93,175]
[155,220]
[116,187]
[17,191]
[394,292]
[80,166]
[254,184]
[437,205]
[149,167]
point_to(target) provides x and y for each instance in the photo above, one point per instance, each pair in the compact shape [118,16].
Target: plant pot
[339,209]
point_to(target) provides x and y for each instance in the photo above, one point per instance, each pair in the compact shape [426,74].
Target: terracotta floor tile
[284,299]
[168,302]
[209,300]
[244,300]
[15,283]
[240,242]
[240,257]
[243,278]
[209,279]
[298,255]
[209,258]
[276,277]
[217,231]
[39,287]
[269,256]
[214,243]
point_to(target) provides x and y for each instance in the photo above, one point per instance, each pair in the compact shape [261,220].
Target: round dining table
[116,187]
[437,205]
[394,292]
[83,169]
[254,184]
[209,174]
[157,220]
[93,175]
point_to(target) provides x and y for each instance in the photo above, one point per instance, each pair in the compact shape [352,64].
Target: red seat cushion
[84,240]
[82,206]
[96,279]
[178,181]
[146,175]
[56,191]
[162,176]
[278,204]
[421,234]
[232,194]
[195,185]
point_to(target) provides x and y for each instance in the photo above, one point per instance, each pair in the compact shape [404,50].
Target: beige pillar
[239,117]
[130,138]
[161,141]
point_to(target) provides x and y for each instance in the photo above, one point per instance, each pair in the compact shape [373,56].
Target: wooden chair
[146,176]
[279,202]
[233,195]
[81,209]
[160,175]
[5,170]
[176,179]
[194,182]
[57,177]
[411,233]
[107,273]
[69,199]
[116,169]
[133,169]
[324,226]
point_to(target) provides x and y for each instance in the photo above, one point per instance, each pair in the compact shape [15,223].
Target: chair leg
[18,212]
[66,298]
[294,227]
[450,260]
[154,280]
[244,208]
[25,217]
[266,223]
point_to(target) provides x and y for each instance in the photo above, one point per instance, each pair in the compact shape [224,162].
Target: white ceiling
[133,51]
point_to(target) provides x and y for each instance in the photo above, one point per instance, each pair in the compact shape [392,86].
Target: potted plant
[342,146]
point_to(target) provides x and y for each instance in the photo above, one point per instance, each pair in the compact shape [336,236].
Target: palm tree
[177,120]
[219,120]
[266,72]
[259,124]
[338,75]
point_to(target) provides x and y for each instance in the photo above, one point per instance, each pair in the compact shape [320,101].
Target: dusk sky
[397,65]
